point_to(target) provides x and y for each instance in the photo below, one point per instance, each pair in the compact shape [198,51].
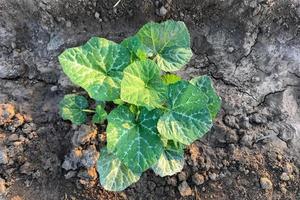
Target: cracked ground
[251,50]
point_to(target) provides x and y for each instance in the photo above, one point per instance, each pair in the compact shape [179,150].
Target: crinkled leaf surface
[97,67]
[170,162]
[168,43]
[100,114]
[134,141]
[142,85]
[204,83]
[136,48]
[170,78]
[113,174]
[187,117]
[71,108]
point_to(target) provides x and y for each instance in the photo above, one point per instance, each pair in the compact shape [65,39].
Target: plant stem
[88,111]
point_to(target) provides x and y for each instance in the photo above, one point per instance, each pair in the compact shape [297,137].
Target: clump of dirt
[250,48]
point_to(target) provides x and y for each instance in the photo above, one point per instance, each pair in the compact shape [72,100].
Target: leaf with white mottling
[169,163]
[204,83]
[142,85]
[137,50]
[113,174]
[97,67]
[168,44]
[134,141]
[187,117]
[72,106]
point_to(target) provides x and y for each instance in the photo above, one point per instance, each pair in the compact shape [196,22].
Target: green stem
[88,111]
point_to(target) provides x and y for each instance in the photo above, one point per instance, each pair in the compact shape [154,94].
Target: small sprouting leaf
[113,174]
[142,85]
[97,67]
[168,44]
[170,162]
[170,78]
[204,83]
[136,48]
[135,142]
[100,115]
[187,117]
[72,106]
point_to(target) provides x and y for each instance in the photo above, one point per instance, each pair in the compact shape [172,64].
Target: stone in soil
[265,183]
[185,189]
[2,186]
[198,179]
[84,135]
[3,156]
[7,112]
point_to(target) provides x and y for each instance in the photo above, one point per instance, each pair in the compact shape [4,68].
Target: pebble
[255,79]
[3,156]
[68,24]
[90,157]
[97,15]
[230,49]
[7,112]
[13,137]
[198,179]
[284,177]
[288,168]
[2,186]
[172,181]
[162,11]
[182,176]
[54,88]
[84,135]
[265,183]
[212,176]
[184,189]
[70,174]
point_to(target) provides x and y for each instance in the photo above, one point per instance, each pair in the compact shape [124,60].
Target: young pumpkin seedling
[157,114]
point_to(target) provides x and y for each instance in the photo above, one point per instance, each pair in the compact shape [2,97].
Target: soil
[251,50]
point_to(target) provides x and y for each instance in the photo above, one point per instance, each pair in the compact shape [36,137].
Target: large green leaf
[170,78]
[168,44]
[170,162]
[136,48]
[97,67]
[100,115]
[187,117]
[134,141]
[113,174]
[204,83]
[142,85]
[72,106]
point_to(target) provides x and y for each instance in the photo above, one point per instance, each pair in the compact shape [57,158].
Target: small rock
[72,160]
[230,49]
[258,119]
[288,168]
[284,177]
[54,88]
[3,156]
[26,168]
[182,176]
[13,137]
[246,140]
[28,128]
[212,176]
[198,179]
[18,120]
[70,174]
[172,181]
[2,186]
[84,135]
[8,71]
[162,11]
[244,123]
[68,24]
[265,183]
[89,157]
[97,15]
[89,174]
[7,112]
[184,189]
[255,79]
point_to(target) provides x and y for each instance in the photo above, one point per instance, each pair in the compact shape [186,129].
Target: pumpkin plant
[156,114]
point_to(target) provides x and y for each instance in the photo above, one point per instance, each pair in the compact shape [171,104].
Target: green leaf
[170,78]
[136,48]
[100,115]
[205,84]
[113,174]
[168,44]
[118,102]
[72,106]
[169,163]
[97,67]
[142,85]
[187,117]
[135,142]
